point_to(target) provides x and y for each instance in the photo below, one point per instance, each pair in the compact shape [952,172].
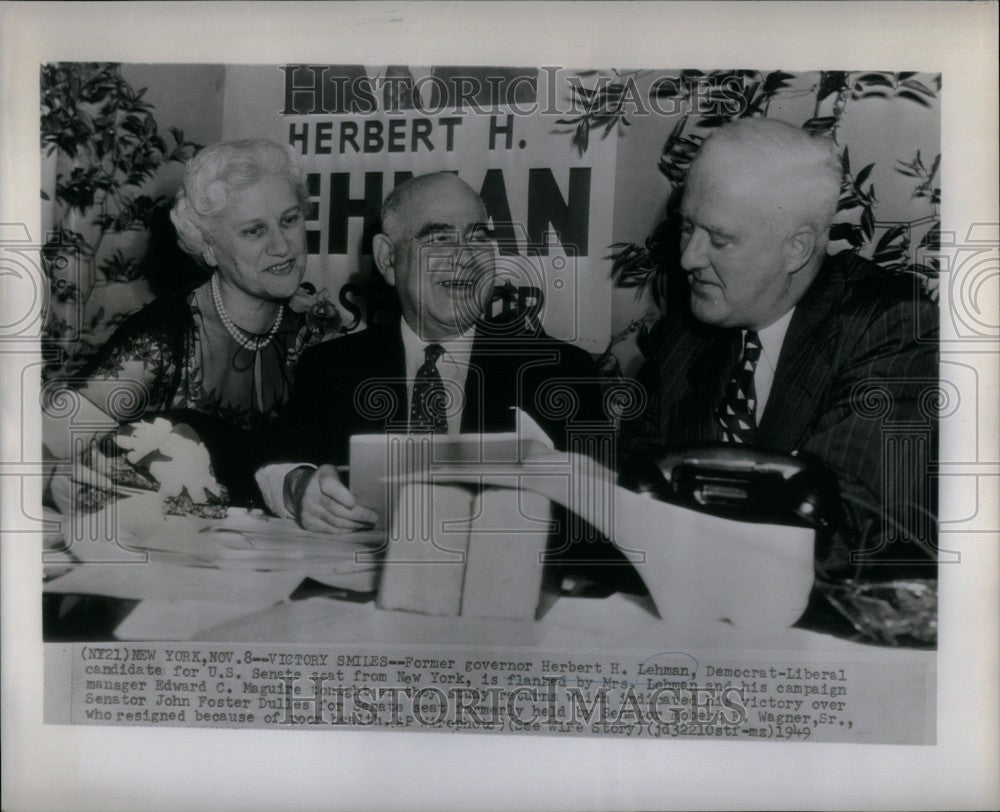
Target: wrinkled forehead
[266,197]
[450,205]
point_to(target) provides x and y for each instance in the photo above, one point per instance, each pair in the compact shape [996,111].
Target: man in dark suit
[781,346]
[443,367]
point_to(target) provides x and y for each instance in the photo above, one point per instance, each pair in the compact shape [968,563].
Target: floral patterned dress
[175,358]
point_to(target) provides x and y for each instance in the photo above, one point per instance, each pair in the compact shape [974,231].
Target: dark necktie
[735,414]
[427,410]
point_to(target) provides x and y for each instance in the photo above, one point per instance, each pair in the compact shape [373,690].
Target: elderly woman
[221,357]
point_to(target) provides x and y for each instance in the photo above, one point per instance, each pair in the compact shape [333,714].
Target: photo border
[112,768]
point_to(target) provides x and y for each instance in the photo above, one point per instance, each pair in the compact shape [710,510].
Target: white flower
[144,439]
[188,464]
[189,467]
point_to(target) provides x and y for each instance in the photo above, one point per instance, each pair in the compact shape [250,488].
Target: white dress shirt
[453,366]
[771,339]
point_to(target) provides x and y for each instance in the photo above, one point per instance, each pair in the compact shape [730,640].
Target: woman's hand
[321,503]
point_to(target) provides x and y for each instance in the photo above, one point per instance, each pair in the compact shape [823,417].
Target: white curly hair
[216,173]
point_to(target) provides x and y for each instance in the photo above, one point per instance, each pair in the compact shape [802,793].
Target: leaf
[846,231]
[863,175]
[876,79]
[820,124]
[932,239]
[913,84]
[889,236]
[131,124]
[889,254]
[86,119]
[713,121]
[868,223]
[905,75]
[581,138]
[906,94]
[829,83]
[667,87]
[678,129]
[776,80]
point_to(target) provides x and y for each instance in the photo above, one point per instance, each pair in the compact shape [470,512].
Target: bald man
[443,367]
[779,345]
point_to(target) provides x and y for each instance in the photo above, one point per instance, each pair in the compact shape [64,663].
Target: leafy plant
[602,108]
[608,363]
[120,268]
[854,197]
[926,189]
[108,147]
[718,97]
[91,114]
[641,267]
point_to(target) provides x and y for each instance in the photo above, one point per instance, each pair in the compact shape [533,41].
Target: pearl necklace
[242,337]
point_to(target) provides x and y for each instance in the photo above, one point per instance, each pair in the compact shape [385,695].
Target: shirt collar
[414,345]
[772,337]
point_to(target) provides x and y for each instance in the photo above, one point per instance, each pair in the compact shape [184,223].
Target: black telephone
[741,482]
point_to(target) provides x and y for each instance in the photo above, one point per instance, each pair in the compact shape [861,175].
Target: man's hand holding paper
[323,504]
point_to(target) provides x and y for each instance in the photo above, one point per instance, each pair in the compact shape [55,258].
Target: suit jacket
[357,385]
[854,387]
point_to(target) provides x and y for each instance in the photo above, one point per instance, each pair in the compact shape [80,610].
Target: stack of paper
[697,567]
[194,573]
[425,558]
[455,549]
[507,541]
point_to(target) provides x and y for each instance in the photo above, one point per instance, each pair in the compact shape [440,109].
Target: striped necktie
[735,415]
[427,409]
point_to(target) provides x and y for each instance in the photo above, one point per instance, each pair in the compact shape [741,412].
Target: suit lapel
[475,380]
[693,393]
[805,365]
[490,385]
[391,365]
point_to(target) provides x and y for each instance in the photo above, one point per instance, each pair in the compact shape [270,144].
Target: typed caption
[666,694]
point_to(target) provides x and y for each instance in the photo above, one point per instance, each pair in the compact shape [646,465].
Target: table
[198,589]
[187,592]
